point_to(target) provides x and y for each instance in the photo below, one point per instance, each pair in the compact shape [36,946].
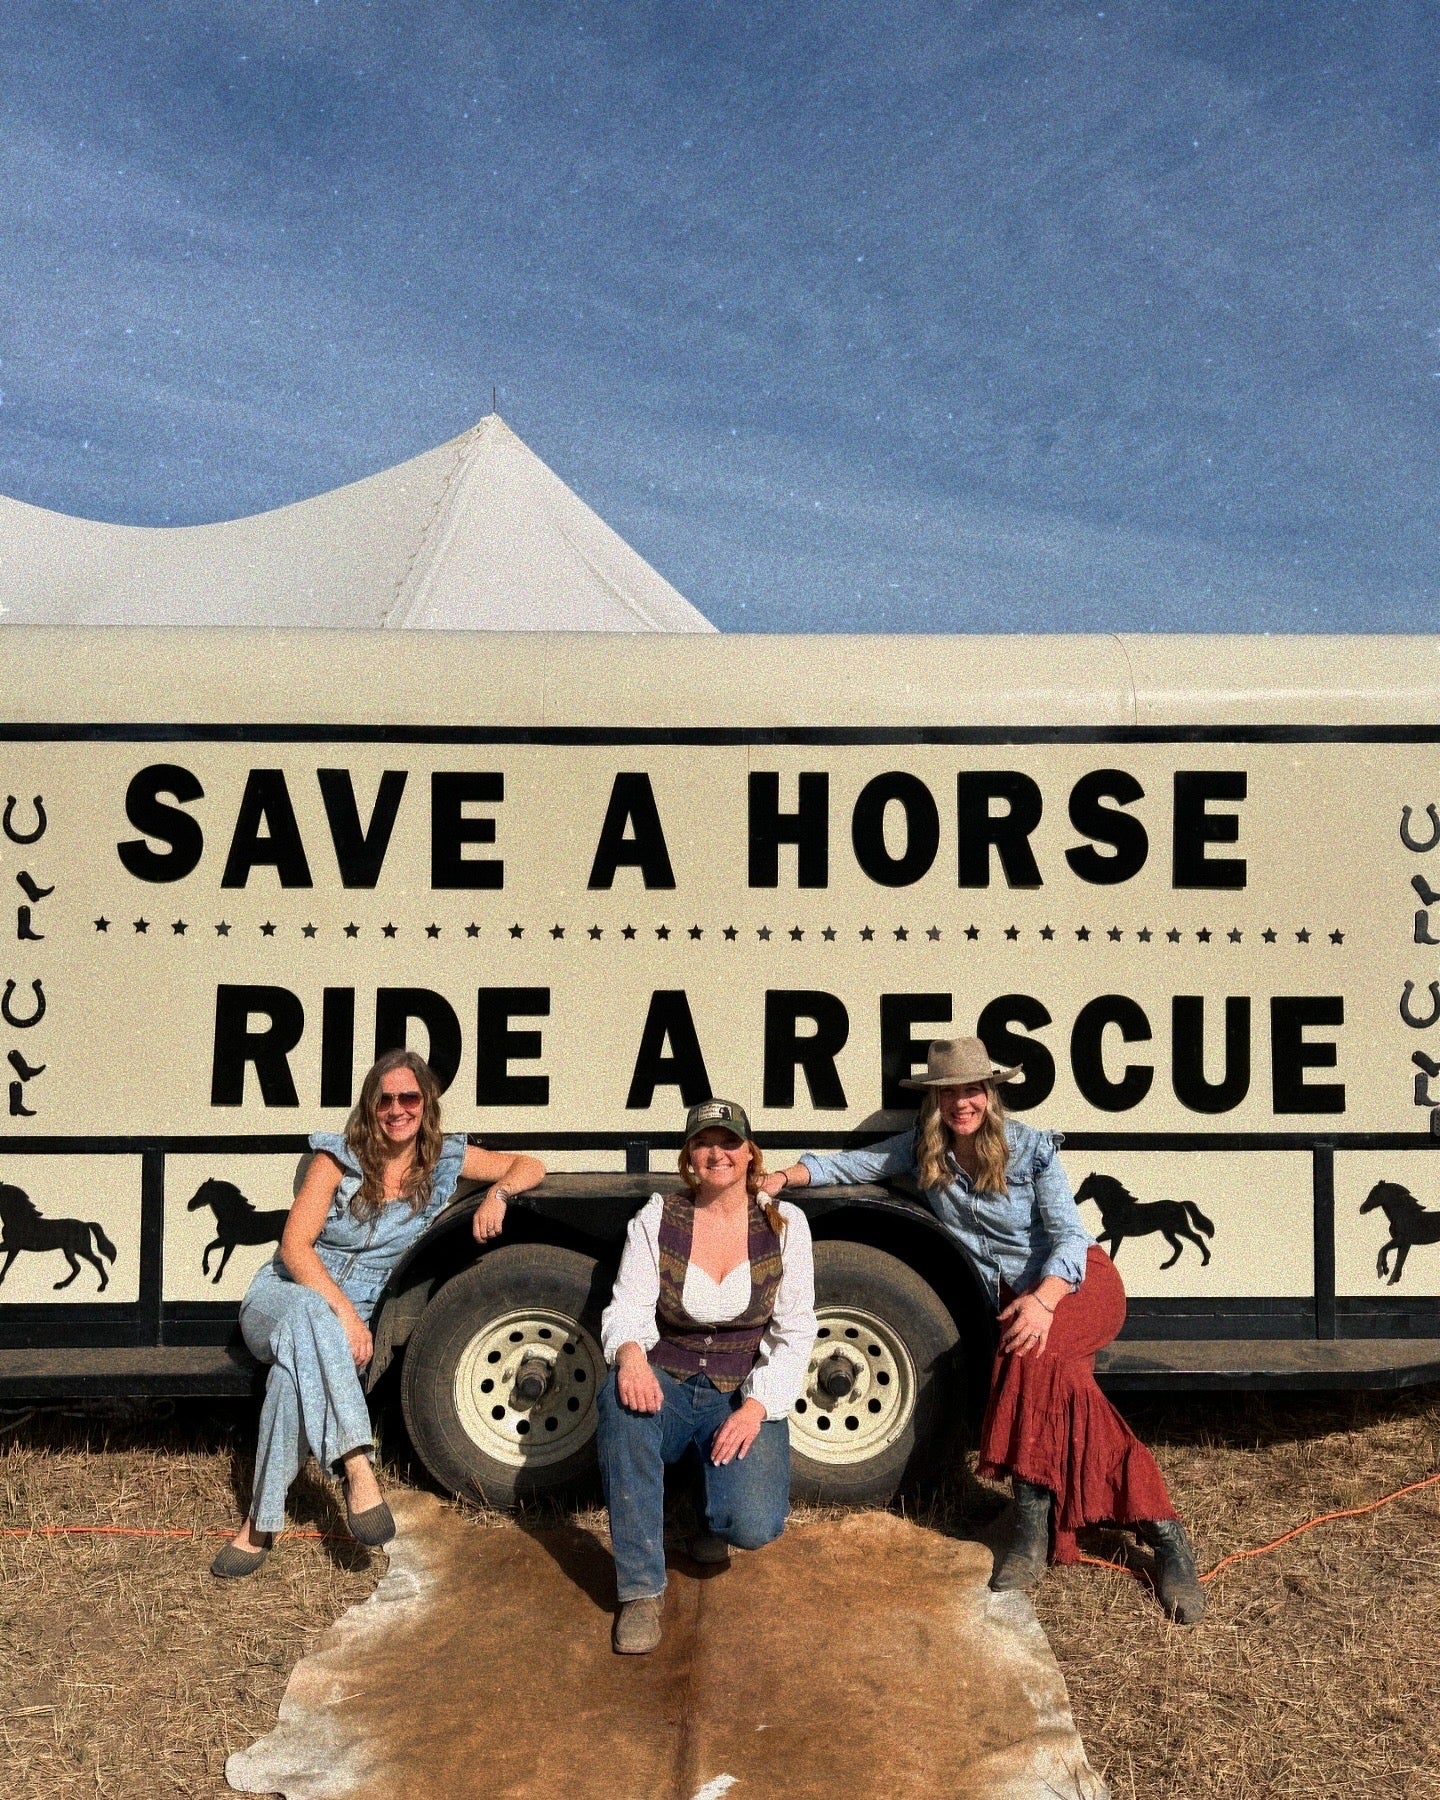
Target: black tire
[887,1325]
[523,1303]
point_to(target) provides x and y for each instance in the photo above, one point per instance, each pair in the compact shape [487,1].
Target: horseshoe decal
[39,1012]
[20,837]
[1410,843]
[1405,1012]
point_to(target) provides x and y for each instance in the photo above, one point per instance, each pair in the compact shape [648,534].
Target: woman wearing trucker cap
[998,1189]
[366,1197]
[708,1336]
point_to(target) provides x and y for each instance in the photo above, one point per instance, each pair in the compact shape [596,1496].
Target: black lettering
[266,801]
[1006,1047]
[497,1046]
[360,850]
[1194,828]
[1087,1061]
[808,828]
[144,810]
[1008,832]
[451,791]
[337,1047]
[900,1052]
[268,1049]
[1290,1055]
[668,1022]
[922,829]
[814,1052]
[396,1007]
[1130,844]
[632,808]
[1187,1054]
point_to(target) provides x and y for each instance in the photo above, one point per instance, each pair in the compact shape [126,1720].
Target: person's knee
[753,1530]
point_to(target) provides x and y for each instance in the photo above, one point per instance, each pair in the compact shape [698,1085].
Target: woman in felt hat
[708,1336]
[997,1187]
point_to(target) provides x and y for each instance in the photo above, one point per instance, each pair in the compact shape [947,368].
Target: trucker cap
[723,1113]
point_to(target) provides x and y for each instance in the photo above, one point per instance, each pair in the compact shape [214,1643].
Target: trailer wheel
[500,1376]
[883,1381]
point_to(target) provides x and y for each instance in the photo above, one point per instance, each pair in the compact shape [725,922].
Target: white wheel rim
[506,1428]
[881,1401]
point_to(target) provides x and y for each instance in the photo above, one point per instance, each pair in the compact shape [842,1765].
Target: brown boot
[1024,1561]
[1176,1581]
[637,1626]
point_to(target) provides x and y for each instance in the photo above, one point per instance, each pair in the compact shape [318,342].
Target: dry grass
[128,1672]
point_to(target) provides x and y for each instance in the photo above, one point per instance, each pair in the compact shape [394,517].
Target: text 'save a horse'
[24,1227]
[237,1221]
[1410,1224]
[1122,1216]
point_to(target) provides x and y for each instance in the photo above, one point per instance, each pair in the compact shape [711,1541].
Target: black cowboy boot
[1175,1578]
[1024,1560]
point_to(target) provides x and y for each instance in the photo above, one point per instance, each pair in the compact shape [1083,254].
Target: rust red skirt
[1048,1422]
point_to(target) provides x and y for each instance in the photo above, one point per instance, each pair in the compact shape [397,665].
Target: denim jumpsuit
[314,1403]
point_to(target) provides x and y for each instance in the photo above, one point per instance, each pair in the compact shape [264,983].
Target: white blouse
[784,1353]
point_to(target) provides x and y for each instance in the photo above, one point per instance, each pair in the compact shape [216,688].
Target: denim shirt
[359,1254]
[1017,1237]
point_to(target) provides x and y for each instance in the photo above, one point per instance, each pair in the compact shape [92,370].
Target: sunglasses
[407,1101]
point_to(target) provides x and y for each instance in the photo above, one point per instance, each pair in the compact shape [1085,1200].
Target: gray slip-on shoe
[637,1626]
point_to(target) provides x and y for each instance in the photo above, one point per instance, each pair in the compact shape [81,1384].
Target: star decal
[1302,936]
[1337,937]
[1047,932]
[663,933]
[867,933]
[1234,934]
[472,930]
[901,934]
[596,934]
[933,934]
[971,933]
[828,934]
[1173,935]
[1012,932]
[517,930]
[695,934]
[1203,934]
[557,932]
[432,931]
[352,930]
[223,928]
[267,929]
[1114,934]
[1144,934]
[1082,932]
[102,924]
[179,928]
[763,933]
[627,932]
[1268,934]
[731,933]
[142,926]
[308,930]
[389,931]
[796,933]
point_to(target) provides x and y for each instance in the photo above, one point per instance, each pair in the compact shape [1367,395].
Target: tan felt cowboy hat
[955,1062]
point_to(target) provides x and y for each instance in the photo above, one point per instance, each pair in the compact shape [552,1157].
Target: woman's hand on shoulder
[775,1183]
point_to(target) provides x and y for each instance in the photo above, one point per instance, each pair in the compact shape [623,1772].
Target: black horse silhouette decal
[1410,1224]
[236,1222]
[23,1227]
[1122,1216]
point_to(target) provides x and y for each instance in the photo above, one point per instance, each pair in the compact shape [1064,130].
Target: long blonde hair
[369,1145]
[932,1141]
[754,1175]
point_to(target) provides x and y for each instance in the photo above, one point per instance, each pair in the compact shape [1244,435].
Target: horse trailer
[1189,887]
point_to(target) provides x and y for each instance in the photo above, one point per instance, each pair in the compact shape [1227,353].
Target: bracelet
[500,1193]
[1036,1297]
[784,1175]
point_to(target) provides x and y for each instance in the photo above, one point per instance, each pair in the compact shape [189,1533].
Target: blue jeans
[746,1499]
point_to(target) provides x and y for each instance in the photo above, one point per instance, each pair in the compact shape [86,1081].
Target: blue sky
[923,317]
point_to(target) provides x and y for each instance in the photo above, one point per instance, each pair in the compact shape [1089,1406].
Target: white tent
[477,535]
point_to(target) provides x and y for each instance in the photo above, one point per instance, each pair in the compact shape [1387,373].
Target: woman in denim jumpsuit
[998,1189]
[306,1313]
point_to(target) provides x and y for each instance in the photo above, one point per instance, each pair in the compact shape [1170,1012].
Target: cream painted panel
[1405,1213]
[223,1218]
[88,1206]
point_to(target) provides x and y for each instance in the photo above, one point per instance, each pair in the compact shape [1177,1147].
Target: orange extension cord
[1096,1562]
[1347,1512]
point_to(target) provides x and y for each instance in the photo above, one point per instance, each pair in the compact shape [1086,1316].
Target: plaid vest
[724,1351]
